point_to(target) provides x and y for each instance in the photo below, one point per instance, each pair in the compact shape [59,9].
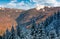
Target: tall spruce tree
[0,37]
[58,34]
[19,32]
[41,32]
[7,34]
[3,37]
[33,29]
[12,36]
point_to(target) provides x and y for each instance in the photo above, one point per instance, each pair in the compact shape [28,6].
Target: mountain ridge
[45,17]
[35,13]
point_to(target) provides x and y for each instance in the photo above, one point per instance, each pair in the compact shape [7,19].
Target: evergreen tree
[41,32]
[52,34]
[3,37]
[13,35]
[58,15]
[0,37]
[19,32]
[7,34]
[54,16]
[33,29]
[59,34]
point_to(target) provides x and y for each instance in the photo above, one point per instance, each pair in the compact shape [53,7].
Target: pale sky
[28,4]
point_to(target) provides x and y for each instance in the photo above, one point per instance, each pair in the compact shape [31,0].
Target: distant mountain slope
[7,18]
[39,15]
[47,16]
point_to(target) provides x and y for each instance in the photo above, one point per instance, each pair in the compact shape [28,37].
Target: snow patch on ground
[39,7]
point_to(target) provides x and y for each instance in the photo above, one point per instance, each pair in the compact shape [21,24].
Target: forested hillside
[36,24]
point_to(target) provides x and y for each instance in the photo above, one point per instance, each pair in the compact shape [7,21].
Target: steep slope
[39,15]
[47,16]
[7,18]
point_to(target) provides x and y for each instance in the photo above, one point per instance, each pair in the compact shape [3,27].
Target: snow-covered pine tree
[33,29]
[58,34]
[48,21]
[52,34]
[19,32]
[41,32]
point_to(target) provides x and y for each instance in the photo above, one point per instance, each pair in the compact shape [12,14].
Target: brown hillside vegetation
[7,18]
